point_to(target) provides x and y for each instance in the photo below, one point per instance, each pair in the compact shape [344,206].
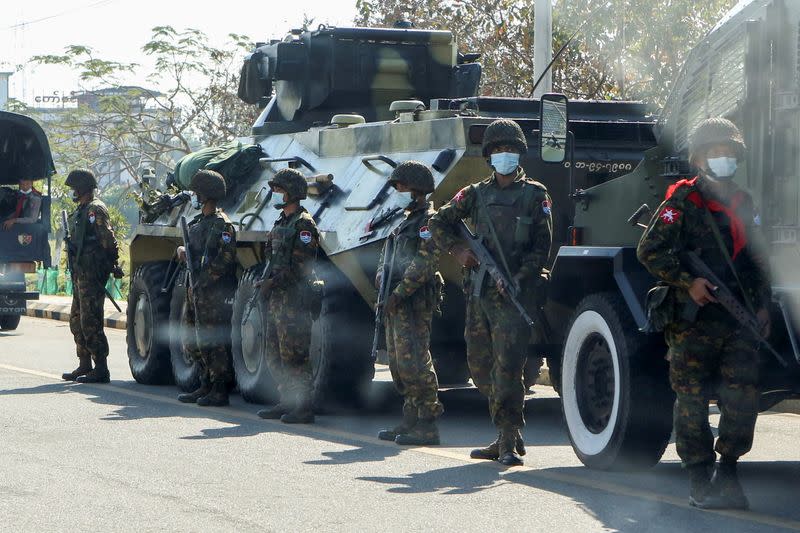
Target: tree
[623,49]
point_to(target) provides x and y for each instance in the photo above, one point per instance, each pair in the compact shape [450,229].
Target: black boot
[409,421]
[489,453]
[701,493]
[84,367]
[274,412]
[424,433]
[192,397]
[726,484]
[216,397]
[100,373]
[509,442]
[302,414]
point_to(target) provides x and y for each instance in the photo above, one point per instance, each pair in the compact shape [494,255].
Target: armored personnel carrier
[344,106]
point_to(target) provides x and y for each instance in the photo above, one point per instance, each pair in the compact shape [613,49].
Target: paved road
[126,457]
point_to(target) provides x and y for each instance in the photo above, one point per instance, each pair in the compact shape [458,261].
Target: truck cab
[24,154]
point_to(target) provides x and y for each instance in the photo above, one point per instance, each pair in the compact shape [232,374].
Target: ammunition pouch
[659,307]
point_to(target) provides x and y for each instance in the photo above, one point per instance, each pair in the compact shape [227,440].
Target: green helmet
[209,183]
[293,182]
[414,175]
[82,180]
[714,131]
[504,131]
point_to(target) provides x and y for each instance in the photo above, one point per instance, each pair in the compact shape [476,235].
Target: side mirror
[553,121]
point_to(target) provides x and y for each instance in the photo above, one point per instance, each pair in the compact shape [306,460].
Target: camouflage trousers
[211,326]
[288,338]
[705,355]
[408,335]
[497,343]
[86,316]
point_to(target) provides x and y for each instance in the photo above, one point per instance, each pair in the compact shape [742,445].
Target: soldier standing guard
[415,292]
[291,250]
[212,239]
[512,214]
[93,256]
[713,217]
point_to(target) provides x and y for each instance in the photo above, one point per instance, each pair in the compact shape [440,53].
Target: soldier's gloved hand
[701,291]
[392,303]
[464,256]
[181,252]
[764,321]
[117,272]
[265,286]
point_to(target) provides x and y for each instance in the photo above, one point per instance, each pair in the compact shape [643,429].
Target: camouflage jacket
[521,216]
[92,245]
[292,248]
[212,240]
[680,225]
[415,256]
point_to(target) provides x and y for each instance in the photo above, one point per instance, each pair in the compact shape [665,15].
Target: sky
[117,29]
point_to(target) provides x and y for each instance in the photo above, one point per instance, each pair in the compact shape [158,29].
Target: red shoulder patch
[669,215]
[459,196]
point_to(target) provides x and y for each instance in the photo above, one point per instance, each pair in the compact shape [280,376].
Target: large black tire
[249,343]
[9,322]
[185,371]
[148,330]
[448,348]
[615,394]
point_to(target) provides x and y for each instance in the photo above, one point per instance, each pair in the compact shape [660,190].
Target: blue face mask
[722,167]
[504,163]
[405,197]
[196,202]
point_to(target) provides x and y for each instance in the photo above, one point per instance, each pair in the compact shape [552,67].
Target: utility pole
[4,88]
[542,45]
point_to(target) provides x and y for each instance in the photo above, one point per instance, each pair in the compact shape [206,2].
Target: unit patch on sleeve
[92,217]
[226,237]
[305,236]
[547,207]
[424,233]
[669,215]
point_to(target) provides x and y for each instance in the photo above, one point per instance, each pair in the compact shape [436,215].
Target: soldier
[212,239]
[29,205]
[93,256]
[415,290]
[712,216]
[291,249]
[512,214]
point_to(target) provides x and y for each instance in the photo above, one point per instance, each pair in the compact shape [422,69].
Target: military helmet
[414,175]
[209,183]
[503,131]
[293,182]
[715,130]
[82,180]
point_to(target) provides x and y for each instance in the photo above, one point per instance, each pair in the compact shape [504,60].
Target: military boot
[274,412]
[508,444]
[302,414]
[84,367]
[489,453]
[725,483]
[216,397]
[202,390]
[424,433]
[701,493]
[100,374]
[409,421]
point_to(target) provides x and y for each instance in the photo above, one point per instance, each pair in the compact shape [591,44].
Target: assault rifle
[68,243]
[728,301]
[383,293]
[487,264]
[252,301]
[189,263]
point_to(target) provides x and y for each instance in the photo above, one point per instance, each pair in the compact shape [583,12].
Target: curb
[115,320]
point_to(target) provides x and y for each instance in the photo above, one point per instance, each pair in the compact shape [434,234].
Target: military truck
[344,106]
[24,152]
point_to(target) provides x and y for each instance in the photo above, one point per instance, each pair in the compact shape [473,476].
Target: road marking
[602,486]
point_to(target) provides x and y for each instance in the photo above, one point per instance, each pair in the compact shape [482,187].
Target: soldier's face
[25,185]
[504,148]
[401,187]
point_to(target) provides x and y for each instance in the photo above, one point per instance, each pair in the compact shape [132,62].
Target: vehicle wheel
[249,346]
[9,322]
[615,394]
[185,370]
[148,331]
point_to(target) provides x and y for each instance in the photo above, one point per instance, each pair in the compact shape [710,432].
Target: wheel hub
[142,326]
[252,341]
[595,385]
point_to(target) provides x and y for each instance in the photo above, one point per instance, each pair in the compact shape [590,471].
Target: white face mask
[505,163]
[196,204]
[405,197]
[26,193]
[722,167]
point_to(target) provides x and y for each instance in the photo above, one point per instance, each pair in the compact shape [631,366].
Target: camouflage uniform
[497,337]
[291,249]
[93,253]
[212,242]
[408,326]
[712,350]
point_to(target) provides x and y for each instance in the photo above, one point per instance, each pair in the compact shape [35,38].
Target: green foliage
[623,49]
